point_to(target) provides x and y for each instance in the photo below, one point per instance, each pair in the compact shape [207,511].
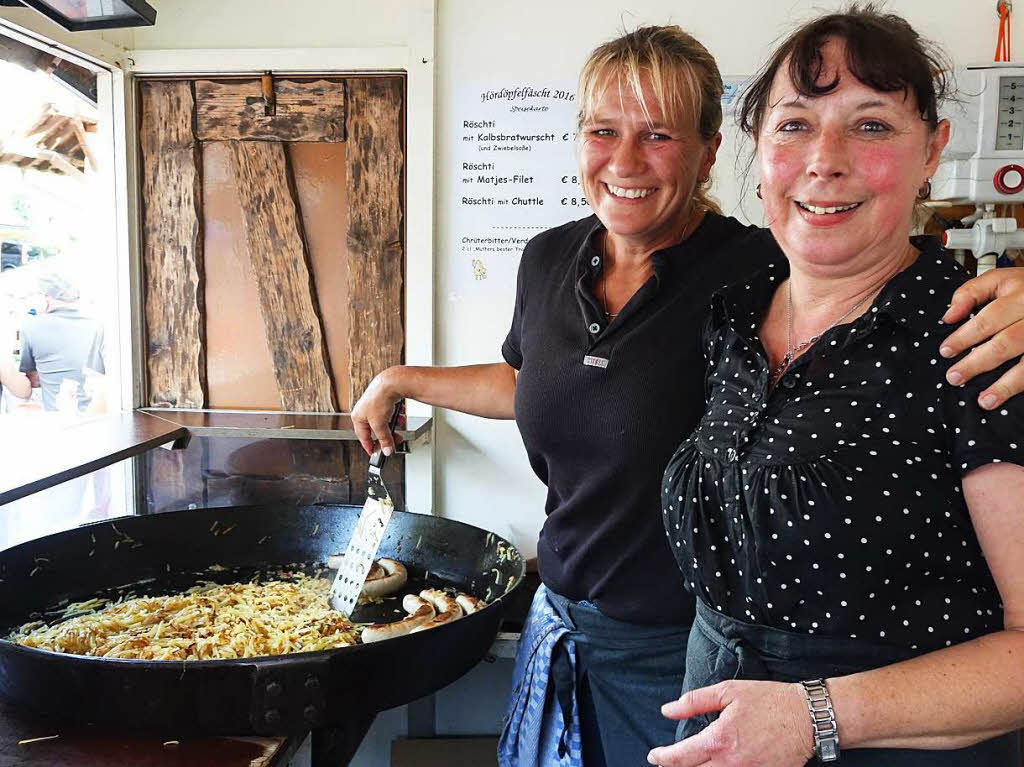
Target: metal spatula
[366,538]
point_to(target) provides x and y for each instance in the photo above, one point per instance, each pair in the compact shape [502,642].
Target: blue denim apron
[723,648]
[588,683]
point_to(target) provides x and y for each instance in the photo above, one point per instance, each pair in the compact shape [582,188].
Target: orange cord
[1003,41]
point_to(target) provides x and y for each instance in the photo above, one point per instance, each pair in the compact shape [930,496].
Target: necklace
[604,300]
[604,284]
[775,374]
[692,222]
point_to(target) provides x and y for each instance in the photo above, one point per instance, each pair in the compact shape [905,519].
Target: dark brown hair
[882,51]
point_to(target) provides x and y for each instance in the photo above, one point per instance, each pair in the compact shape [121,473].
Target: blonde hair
[684,79]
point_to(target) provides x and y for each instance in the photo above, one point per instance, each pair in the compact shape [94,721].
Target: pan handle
[377,459]
[289,695]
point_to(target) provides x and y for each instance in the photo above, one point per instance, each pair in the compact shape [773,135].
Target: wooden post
[172,244]
[375,247]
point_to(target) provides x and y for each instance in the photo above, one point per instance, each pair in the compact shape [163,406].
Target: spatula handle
[377,459]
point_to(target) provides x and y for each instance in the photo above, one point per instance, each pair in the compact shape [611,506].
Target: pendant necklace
[775,374]
[604,284]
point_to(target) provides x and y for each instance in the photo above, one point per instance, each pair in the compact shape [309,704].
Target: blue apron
[588,689]
[723,648]
[542,726]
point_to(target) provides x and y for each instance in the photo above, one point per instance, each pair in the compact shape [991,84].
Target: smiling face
[840,171]
[639,172]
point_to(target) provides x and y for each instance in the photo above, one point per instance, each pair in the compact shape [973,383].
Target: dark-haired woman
[849,523]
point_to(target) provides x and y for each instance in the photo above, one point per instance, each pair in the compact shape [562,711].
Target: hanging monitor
[81,15]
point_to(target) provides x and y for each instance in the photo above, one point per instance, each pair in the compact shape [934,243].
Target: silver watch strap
[823,720]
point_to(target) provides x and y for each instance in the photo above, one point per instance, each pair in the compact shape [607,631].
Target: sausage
[386,576]
[420,611]
[395,577]
[376,571]
[469,604]
[448,609]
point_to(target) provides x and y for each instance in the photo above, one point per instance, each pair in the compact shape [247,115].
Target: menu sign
[514,176]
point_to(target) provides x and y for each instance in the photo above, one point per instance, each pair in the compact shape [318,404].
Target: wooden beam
[83,142]
[172,247]
[43,124]
[305,111]
[54,139]
[62,163]
[375,244]
[291,318]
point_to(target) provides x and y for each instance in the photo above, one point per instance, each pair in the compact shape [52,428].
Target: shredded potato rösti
[238,620]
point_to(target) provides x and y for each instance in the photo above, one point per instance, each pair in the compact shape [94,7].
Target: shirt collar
[661,260]
[67,311]
[587,268]
[916,297]
[743,304]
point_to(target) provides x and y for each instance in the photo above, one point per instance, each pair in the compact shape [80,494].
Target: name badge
[595,362]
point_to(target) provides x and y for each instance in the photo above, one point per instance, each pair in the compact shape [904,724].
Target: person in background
[603,373]
[62,352]
[848,520]
[60,343]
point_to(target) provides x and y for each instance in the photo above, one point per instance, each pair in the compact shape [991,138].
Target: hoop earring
[925,191]
[757,191]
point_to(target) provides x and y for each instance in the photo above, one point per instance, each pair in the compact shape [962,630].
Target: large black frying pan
[270,695]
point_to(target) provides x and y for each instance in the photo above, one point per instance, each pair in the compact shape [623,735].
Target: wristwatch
[823,720]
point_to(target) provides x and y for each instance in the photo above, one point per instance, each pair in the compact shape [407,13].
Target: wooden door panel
[277,252]
[273,253]
[317,170]
[240,372]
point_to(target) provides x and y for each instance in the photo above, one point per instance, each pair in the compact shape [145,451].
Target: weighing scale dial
[1010,133]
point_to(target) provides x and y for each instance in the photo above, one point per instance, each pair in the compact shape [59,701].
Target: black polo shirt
[601,406]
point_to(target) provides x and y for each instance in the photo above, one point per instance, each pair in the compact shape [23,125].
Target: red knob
[1009,179]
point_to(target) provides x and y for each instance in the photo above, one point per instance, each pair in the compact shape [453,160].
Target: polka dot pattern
[832,505]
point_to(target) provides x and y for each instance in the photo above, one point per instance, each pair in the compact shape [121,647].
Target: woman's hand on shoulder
[760,723]
[995,335]
[370,415]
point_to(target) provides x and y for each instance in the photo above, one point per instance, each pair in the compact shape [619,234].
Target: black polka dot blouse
[832,505]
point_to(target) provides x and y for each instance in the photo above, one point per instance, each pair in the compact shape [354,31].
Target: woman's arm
[16,382]
[483,390]
[994,335]
[963,694]
[950,698]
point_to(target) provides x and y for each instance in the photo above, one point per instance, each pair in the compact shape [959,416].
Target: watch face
[828,750]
